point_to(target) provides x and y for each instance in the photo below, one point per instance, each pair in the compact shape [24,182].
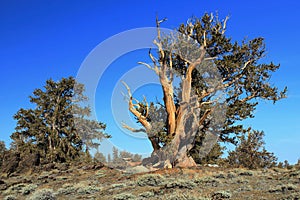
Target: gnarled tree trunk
[182,121]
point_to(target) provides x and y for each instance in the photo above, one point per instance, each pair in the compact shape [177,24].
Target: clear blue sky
[50,39]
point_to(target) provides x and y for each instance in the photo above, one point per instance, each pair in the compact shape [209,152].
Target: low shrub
[10,197]
[124,196]
[150,180]
[189,184]
[43,194]
[28,189]
[221,195]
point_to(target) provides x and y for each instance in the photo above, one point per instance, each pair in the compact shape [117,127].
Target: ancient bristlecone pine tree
[208,64]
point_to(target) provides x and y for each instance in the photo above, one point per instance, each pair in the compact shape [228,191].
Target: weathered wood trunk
[176,152]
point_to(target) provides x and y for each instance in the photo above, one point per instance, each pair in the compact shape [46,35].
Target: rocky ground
[98,182]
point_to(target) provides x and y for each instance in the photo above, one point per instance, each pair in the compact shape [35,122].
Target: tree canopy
[58,128]
[251,152]
[189,109]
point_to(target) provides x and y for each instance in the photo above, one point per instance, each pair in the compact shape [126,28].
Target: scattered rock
[137,169]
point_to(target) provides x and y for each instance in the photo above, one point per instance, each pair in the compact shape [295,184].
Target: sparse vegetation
[10,197]
[193,183]
[221,195]
[29,189]
[251,153]
[124,196]
[150,180]
[43,194]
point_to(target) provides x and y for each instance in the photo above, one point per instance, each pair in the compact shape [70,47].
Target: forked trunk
[176,152]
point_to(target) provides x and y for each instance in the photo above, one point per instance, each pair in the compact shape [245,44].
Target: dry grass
[197,183]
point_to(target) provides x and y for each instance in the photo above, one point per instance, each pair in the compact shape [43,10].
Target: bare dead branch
[207,112]
[253,95]
[133,129]
[224,25]
[210,58]
[204,39]
[132,108]
[128,89]
[155,69]
[147,107]
[152,57]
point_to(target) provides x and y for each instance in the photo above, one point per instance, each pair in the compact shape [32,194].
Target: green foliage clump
[213,157]
[284,188]
[67,189]
[251,153]
[147,194]
[182,196]
[88,190]
[28,189]
[118,158]
[100,157]
[43,194]
[124,196]
[181,184]
[150,180]
[2,151]
[10,197]
[221,195]
[207,180]
[58,128]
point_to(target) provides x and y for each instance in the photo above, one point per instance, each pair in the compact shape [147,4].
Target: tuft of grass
[118,185]
[88,190]
[221,195]
[67,189]
[207,180]
[189,184]
[61,178]
[284,188]
[241,180]
[15,189]
[43,194]
[124,196]
[221,175]
[147,194]
[100,174]
[28,189]
[150,180]
[231,175]
[177,195]
[10,197]
[246,173]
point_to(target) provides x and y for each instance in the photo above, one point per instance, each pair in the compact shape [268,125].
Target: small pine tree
[100,157]
[136,158]
[251,152]
[297,165]
[287,165]
[2,151]
[58,128]
[280,165]
[117,160]
[108,158]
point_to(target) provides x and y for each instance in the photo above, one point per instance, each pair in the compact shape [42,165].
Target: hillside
[98,182]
